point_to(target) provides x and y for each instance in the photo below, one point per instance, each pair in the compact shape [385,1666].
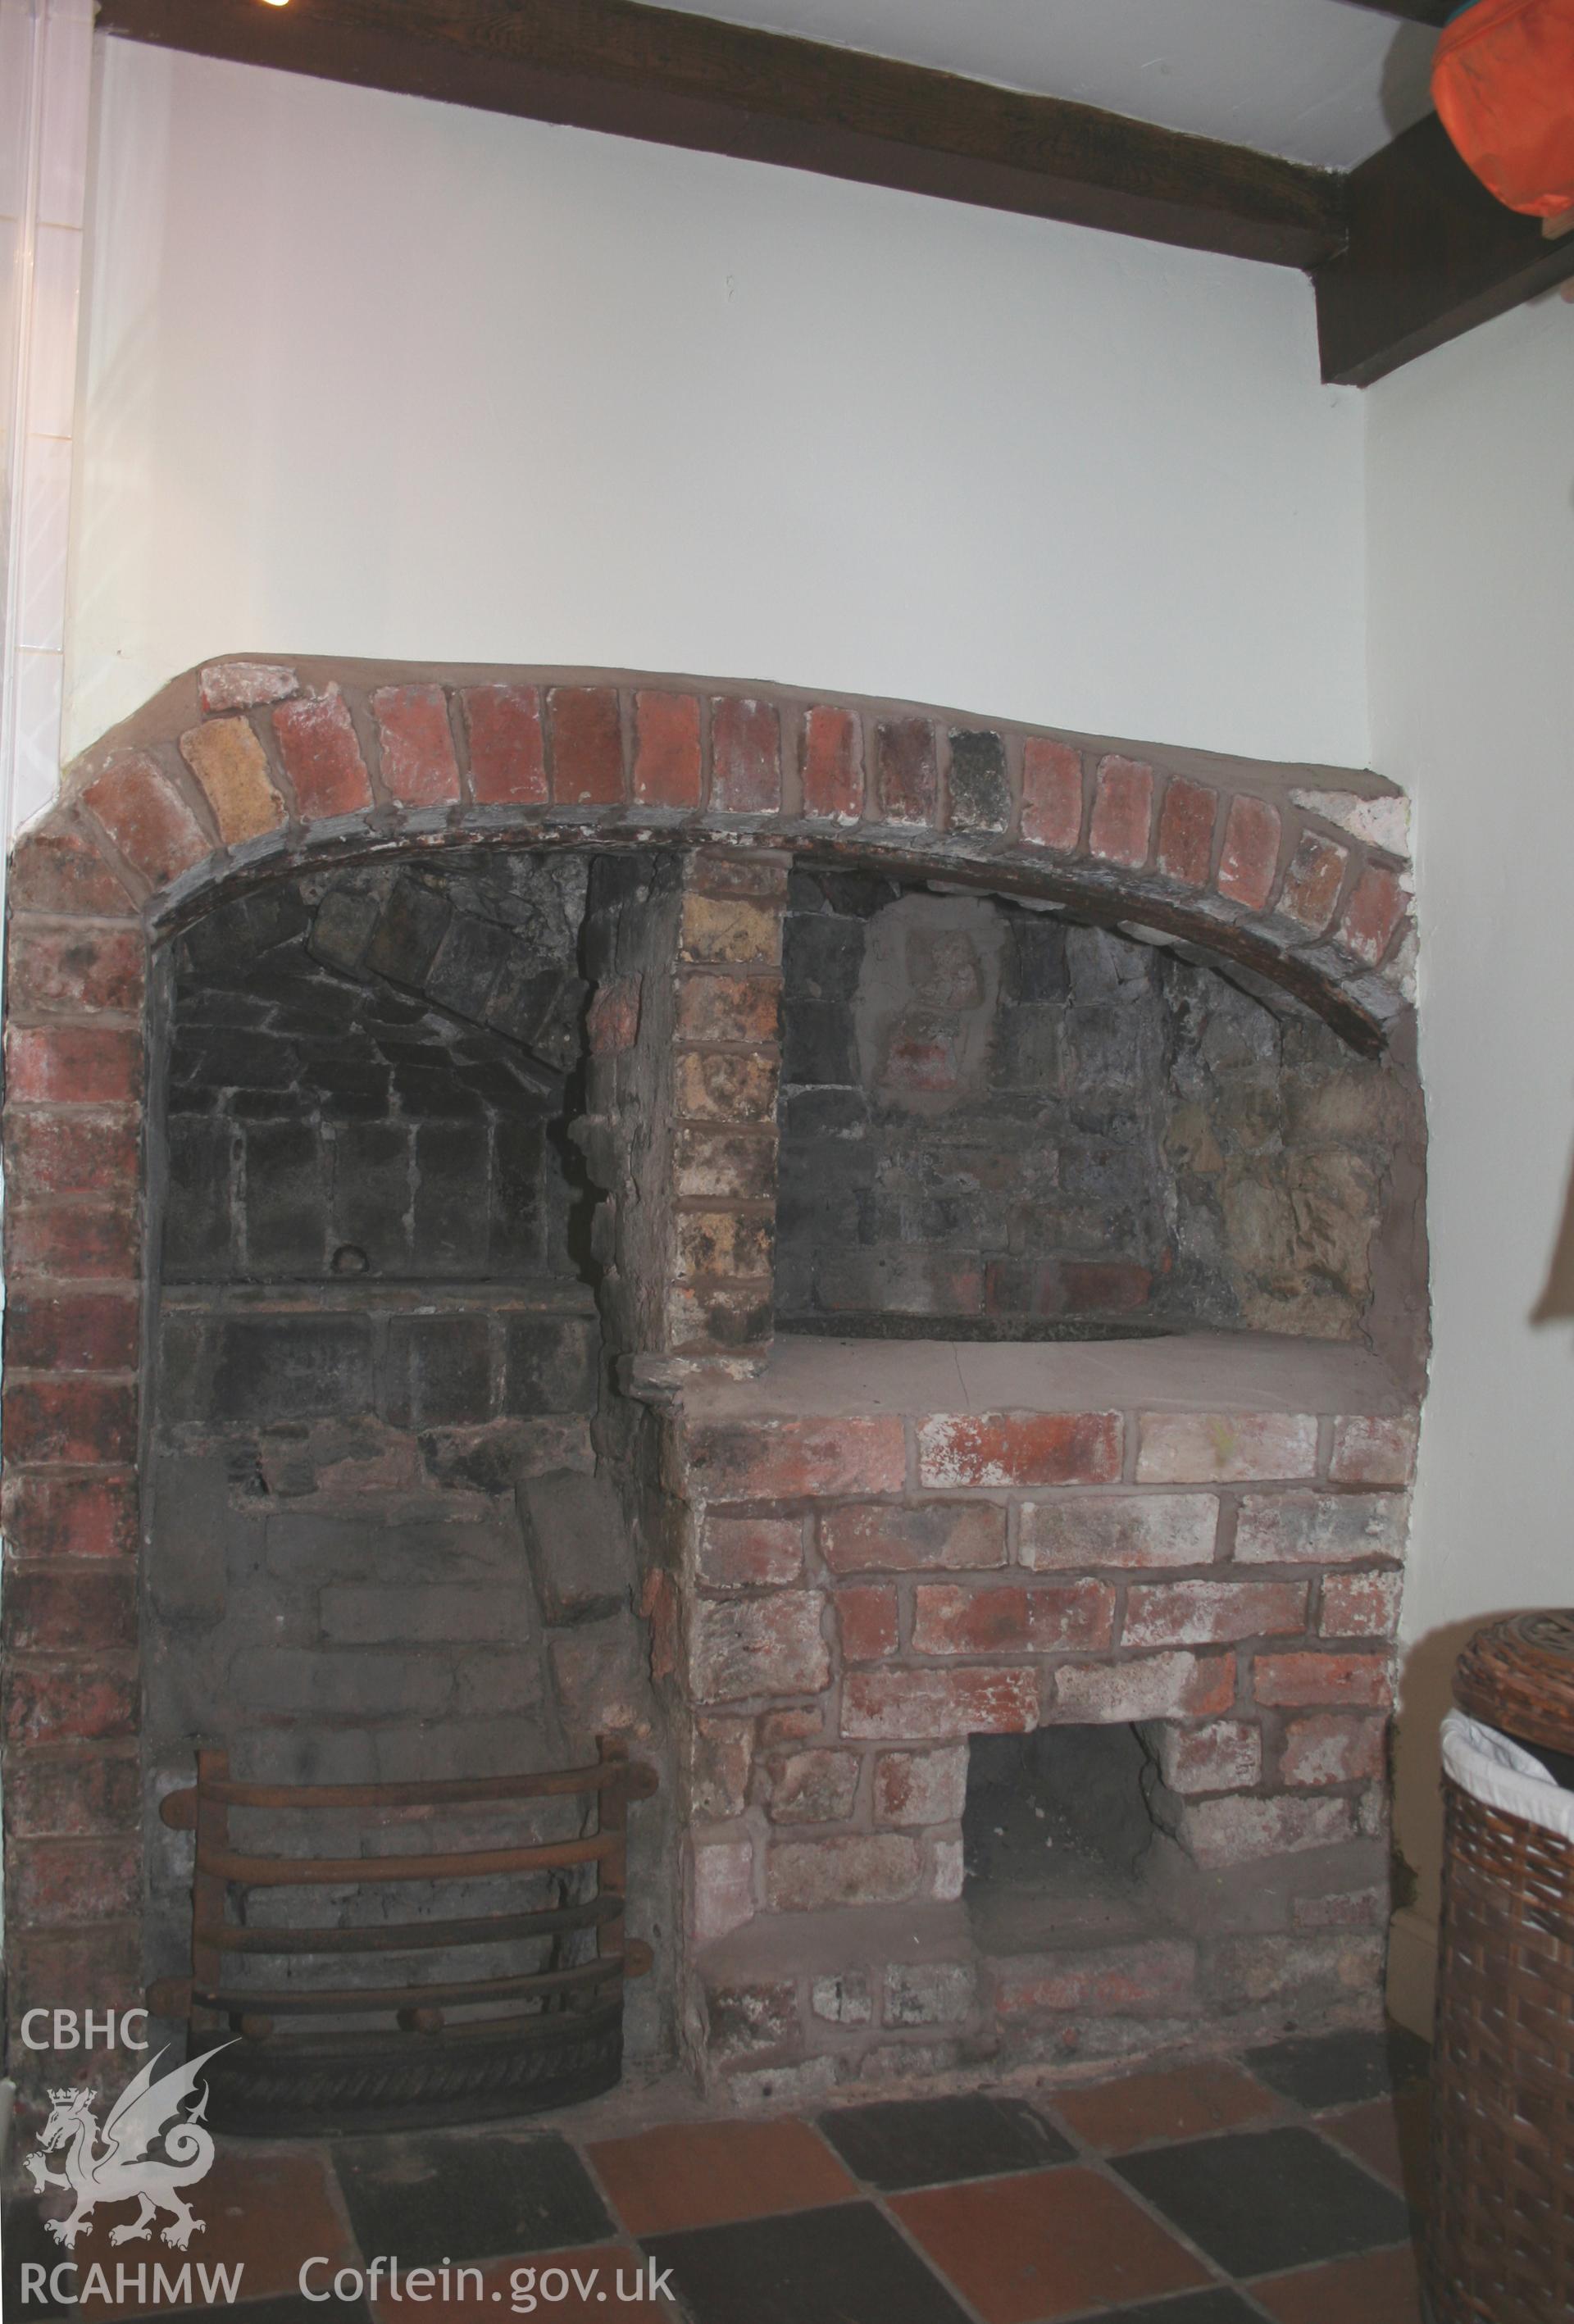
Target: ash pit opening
[1067,1835]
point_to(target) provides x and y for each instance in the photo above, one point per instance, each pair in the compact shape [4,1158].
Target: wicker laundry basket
[1501,2234]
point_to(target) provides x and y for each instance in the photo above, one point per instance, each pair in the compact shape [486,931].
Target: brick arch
[247,769]
[251,770]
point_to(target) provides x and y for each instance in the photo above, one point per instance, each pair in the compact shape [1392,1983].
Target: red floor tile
[582,2286]
[265,2209]
[1390,2136]
[1380,2288]
[1045,2244]
[1187,2102]
[698,2174]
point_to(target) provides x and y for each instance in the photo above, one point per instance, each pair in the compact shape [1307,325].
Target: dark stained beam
[1414,11]
[1432,254]
[685,80]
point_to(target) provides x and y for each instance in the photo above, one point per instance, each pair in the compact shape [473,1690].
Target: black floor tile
[902,2143]
[1256,2201]
[1221,2307]
[845,2265]
[424,2198]
[1330,2069]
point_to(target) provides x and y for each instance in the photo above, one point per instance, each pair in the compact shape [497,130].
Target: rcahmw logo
[146,2153]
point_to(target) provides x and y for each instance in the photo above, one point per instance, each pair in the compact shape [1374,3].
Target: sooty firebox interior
[380,1550]
[998,1122]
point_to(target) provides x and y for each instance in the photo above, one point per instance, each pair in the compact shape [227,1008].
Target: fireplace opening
[998,1121]
[1068,1836]
[383,1546]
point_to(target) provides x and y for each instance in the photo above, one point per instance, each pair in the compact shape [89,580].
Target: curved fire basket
[453,2048]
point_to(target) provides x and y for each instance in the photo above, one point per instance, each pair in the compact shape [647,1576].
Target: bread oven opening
[381,1550]
[1000,1121]
[1069,1835]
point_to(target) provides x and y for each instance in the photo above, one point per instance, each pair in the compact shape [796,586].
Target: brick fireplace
[877,1256]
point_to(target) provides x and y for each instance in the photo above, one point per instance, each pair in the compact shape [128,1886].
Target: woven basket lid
[1519,1675]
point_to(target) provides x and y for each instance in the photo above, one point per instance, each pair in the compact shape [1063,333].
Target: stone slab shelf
[1186,1371]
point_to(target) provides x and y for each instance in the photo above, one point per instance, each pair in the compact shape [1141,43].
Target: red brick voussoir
[1234,863]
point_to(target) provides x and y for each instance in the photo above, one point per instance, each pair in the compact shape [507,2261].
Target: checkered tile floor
[1286,2187]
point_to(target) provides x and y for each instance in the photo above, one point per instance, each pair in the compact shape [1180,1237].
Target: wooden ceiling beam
[1414,11]
[1430,255]
[685,80]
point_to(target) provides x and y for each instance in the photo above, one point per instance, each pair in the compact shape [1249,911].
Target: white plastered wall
[1470,459]
[370,375]
[45,71]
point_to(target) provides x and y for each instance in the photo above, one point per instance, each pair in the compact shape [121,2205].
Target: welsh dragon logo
[116,2164]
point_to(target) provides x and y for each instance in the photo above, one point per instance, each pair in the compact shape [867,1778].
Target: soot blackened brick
[233,1058]
[271,1367]
[439,1369]
[517,1209]
[523,995]
[819,1045]
[409,931]
[981,793]
[197,1216]
[342,927]
[309,1003]
[1026,1049]
[187,1346]
[549,1364]
[286,1166]
[468,963]
[225,1004]
[822,953]
[559,1038]
[1036,960]
[371,1191]
[246,929]
[434,1092]
[821,959]
[358,1091]
[452,1162]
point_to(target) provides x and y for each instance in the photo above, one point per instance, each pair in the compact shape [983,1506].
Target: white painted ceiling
[1315,80]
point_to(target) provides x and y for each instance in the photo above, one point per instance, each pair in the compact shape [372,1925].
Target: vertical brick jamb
[75,981]
[727,1061]
[631,925]
[684,1068]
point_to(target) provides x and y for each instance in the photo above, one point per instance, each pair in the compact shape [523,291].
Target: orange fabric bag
[1503,81]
